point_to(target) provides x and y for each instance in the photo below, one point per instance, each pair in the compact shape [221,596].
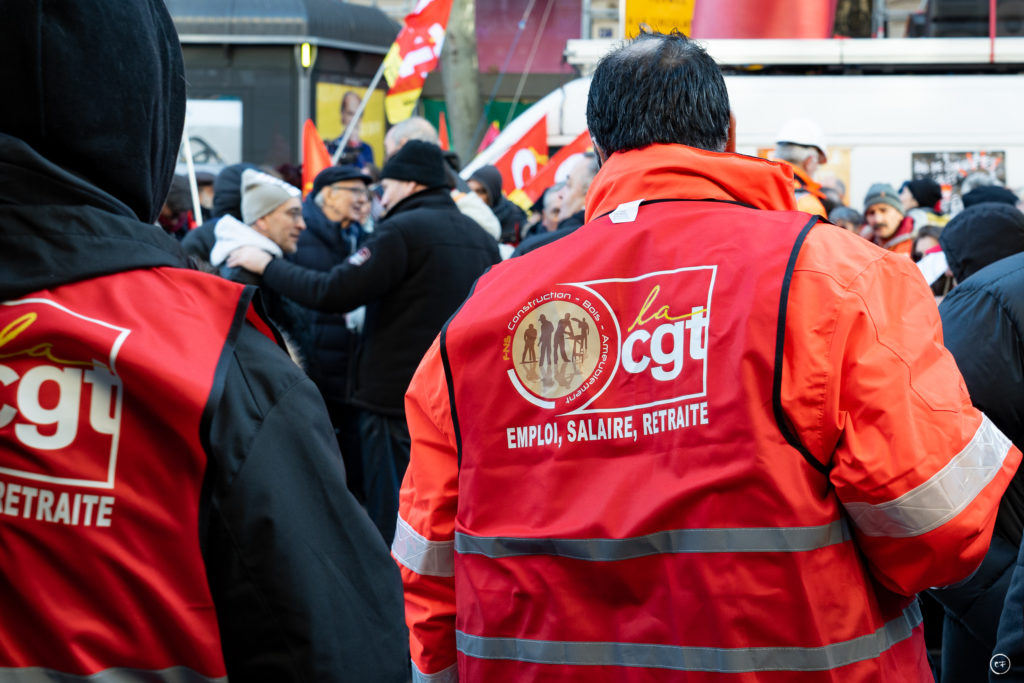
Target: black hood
[97,88]
[55,228]
[980,235]
[490,178]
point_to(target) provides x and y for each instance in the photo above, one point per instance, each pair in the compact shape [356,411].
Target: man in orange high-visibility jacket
[760,456]
[801,144]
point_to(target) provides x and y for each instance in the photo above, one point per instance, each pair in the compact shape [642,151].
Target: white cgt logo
[61,397]
[667,347]
[65,415]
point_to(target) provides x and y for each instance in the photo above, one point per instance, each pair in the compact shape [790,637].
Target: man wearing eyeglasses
[327,345]
[338,192]
[271,221]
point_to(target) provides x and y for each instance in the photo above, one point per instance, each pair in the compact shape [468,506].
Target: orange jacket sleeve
[424,544]
[875,396]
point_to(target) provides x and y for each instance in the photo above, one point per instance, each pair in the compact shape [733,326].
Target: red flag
[491,133]
[315,157]
[545,178]
[442,131]
[413,55]
[524,158]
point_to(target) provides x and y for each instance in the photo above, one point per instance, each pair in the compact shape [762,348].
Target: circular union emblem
[560,346]
[999,664]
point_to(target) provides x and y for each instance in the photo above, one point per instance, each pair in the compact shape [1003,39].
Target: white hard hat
[806,133]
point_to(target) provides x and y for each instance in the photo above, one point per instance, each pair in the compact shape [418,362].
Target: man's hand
[250,258]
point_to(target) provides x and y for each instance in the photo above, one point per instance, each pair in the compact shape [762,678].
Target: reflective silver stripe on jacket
[766,540]
[427,558]
[713,659]
[449,675]
[175,674]
[942,497]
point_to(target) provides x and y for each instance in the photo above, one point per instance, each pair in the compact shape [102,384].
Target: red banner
[315,157]
[545,178]
[413,55]
[521,163]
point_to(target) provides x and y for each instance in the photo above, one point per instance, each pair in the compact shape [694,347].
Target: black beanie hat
[989,193]
[419,161]
[335,174]
[926,192]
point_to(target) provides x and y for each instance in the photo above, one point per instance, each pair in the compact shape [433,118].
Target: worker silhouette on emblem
[564,326]
[529,339]
[579,347]
[546,329]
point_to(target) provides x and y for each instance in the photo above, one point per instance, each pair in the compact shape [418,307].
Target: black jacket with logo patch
[411,274]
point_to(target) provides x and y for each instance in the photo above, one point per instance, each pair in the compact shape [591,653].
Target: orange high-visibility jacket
[809,196]
[700,436]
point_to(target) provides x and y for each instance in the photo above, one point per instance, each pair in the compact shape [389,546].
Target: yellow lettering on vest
[662,313]
[44,350]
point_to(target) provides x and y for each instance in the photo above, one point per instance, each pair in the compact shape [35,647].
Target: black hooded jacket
[983,327]
[509,215]
[303,586]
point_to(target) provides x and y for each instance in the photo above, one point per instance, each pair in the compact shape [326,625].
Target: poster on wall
[214,132]
[950,169]
[335,105]
[659,15]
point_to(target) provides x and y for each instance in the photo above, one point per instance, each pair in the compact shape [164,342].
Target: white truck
[950,104]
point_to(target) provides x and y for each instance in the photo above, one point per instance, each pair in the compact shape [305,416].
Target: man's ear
[601,156]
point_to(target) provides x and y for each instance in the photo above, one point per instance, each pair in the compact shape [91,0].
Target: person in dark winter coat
[981,326]
[181,513]
[981,321]
[411,274]
[486,183]
[327,345]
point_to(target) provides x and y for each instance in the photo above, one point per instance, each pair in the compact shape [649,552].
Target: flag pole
[359,112]
[193,186]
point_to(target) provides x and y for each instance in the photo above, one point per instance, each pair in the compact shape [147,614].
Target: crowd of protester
[329,337]
[290,475]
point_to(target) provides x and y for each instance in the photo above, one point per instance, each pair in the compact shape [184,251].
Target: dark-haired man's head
[658,88]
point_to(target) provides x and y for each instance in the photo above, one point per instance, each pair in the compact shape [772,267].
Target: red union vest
[629,505]
[103,387]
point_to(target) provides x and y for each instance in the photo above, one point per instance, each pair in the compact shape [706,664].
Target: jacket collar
[433,197]
[904,232]
[666,171]
[804,181]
